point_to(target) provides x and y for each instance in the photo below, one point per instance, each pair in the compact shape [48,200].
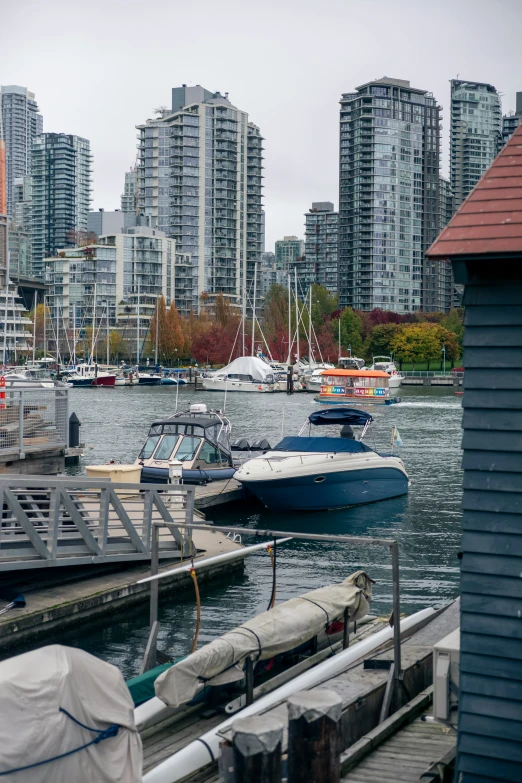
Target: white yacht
[246,374]
[386,364]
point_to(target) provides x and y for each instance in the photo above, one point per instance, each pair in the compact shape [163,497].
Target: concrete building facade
[388,194]
[511,121]
[126,271]
[61,193]
[321,244]
[128,199]
[101,222]
[475,134]
[22,123]
[199,180]
[287,251]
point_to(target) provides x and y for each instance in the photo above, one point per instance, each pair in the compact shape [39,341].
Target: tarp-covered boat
[283,628]
[66,716]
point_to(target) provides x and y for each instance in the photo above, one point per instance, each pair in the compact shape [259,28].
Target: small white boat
[246,374]
[314,381]
[386,364]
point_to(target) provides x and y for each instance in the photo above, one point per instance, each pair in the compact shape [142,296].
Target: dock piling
[257,749]
[314,737]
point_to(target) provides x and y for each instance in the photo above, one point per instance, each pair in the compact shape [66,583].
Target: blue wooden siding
[490,707]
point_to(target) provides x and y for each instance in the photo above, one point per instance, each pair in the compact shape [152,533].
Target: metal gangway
[61,521]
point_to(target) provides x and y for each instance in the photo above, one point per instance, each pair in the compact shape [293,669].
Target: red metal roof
[489,221]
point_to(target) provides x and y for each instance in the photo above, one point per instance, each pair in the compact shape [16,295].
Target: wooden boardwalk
[405,756]
[358,687]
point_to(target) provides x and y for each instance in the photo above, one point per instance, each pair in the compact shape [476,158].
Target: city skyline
[301,167]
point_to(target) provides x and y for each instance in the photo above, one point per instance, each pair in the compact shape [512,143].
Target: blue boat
[307,473]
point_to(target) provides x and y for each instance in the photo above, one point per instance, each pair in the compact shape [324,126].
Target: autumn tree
[380,339]
[423,342]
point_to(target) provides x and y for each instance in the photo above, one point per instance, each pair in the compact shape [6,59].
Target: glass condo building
[199,179]
[476,128]
[389,196]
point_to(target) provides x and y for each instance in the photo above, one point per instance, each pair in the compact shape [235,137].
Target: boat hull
[209,384]
[103,380]
[334,490]
[149,381]
[153,475]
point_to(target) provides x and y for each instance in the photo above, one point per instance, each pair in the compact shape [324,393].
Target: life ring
[259,388]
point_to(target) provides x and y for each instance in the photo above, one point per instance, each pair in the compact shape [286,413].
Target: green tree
[351,326]
[454,322]
[323,305]
[380,340]
[275,312]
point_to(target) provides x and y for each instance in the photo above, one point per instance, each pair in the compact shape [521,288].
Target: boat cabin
[364,385]
[198,438]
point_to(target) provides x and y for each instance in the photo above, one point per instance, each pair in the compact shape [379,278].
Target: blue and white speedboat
[315,473]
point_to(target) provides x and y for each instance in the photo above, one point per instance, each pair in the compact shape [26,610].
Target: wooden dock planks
[406,755]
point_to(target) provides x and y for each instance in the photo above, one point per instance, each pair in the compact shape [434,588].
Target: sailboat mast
[34,326]
[58,357]
[108,335]
[310,360]
[296,318]
[288,361]
[74,334]
[138,328]
[45,329]
[157,332]
[243,312]
[254,308]
[93,324]
[339,352]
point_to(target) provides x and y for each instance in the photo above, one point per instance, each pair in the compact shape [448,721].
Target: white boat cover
[247,365]
[283,628]
[33,688]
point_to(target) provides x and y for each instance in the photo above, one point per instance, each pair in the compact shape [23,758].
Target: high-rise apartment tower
[199,178]
[21,125]
[389,195]
[475,133]
[61,193]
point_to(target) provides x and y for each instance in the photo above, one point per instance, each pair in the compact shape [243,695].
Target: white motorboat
[246,374]
[318,473]
[386,364]
[314,381]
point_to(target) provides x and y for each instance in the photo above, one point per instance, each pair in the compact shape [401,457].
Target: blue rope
[103,734]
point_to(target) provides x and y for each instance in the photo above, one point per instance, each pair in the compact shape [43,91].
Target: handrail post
[154,585]
[21,425]
[394,551]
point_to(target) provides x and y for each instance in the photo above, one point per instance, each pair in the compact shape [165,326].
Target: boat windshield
[148,449]
[166,447]
[188,448]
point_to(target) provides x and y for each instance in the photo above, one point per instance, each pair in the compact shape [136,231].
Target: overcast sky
[100,67]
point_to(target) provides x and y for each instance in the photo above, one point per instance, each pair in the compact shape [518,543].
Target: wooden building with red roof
[483,241]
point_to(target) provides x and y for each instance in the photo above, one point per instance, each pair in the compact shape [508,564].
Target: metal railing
[33,419]
[431,374]
[47,522]
[395,672]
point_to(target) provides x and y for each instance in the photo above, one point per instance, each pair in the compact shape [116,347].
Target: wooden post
[346,629]
[249,680]
[314,737]
[257,743]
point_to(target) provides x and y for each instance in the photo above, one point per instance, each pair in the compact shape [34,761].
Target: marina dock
[362,688]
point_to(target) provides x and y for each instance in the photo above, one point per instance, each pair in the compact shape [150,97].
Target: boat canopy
[321,445]
[271,633]
[340,416]
[247,365]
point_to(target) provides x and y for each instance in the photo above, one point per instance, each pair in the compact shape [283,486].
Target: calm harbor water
[426,522]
